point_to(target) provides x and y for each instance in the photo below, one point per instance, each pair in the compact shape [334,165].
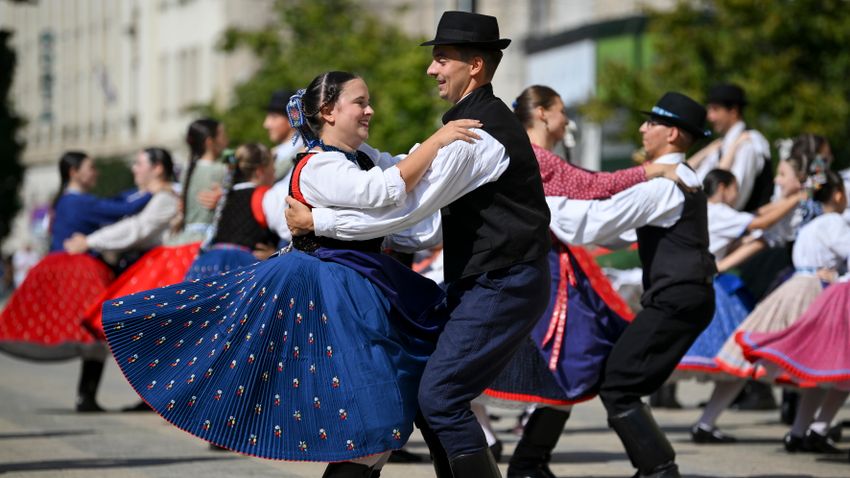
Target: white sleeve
[658,202]
[458,169]
[141,229]
[746,167]
[330,180]
[274,207]
[423,235]
[725,225]
[382,159]
[838,233]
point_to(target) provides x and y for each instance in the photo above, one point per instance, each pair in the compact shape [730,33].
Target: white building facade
[111,77]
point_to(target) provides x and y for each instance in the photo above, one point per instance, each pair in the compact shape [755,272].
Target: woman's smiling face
[349,119]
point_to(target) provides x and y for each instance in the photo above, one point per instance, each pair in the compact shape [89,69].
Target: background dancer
[43,319]
[678,298]
[593,314]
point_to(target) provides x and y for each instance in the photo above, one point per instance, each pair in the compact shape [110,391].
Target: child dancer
[727,229]
[812,349]
[820,245]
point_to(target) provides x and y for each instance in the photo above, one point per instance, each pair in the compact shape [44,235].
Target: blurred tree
[790,56]
[114,176]
[11,145]
[308,37]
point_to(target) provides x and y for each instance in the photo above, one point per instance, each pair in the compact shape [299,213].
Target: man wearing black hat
[745,153]
[280,133]
[495,236]
[678,298]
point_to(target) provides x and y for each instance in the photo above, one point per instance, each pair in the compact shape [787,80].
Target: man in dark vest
[495,236]
[678,299]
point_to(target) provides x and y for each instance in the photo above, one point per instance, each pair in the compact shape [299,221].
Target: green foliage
[114,176]
[790,56]
[11,146]
[309,37]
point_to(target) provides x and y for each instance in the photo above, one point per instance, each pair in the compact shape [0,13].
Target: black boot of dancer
[534,451]
[480,464]
[90,375]
[347,469]
[442,467]
[645,443]
[788,409]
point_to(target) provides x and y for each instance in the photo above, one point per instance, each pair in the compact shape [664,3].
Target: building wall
[110,77]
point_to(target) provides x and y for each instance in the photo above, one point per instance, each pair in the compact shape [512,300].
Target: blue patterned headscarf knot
[298,120]
[295,109]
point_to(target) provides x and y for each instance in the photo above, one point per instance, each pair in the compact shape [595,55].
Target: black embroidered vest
[310,242]
[678,254]
[505,222]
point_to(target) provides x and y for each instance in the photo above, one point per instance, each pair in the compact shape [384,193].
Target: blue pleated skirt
[308,357]
[561,362]
[733,304]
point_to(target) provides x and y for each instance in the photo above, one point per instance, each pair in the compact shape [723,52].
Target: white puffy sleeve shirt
[458,169]
[748,161]
[611,222]
[329,179]
[725,225]
[823,243]
[140,231]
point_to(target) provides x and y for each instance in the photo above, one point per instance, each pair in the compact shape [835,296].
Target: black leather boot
[534,451]
[347,469]
[479,464]
[442,467]
[646,445]
[665,397]
[92,371]
[788,410]
[755,396]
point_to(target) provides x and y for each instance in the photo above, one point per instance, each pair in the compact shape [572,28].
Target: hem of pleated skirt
[807,379]
[531,398]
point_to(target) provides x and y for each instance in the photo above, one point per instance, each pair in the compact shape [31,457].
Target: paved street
[42,437]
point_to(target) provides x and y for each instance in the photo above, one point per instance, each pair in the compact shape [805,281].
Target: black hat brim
[500,44]
[677,124]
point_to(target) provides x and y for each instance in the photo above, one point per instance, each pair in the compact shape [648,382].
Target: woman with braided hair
[314,354]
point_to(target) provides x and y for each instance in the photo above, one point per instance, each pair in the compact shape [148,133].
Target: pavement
[41,436]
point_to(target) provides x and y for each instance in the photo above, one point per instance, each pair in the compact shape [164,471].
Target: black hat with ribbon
[468,29]
[680,111]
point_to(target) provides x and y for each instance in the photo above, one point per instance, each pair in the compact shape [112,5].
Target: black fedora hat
[727,94]
[278,101]
[676,109]
[471,29]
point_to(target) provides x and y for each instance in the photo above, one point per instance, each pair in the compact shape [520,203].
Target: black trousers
[653,344]
[491,314]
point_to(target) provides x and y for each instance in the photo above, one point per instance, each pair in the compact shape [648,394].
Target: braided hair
[196,137]
[306,105]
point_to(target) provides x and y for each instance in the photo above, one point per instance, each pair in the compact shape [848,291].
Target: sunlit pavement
[41,436]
